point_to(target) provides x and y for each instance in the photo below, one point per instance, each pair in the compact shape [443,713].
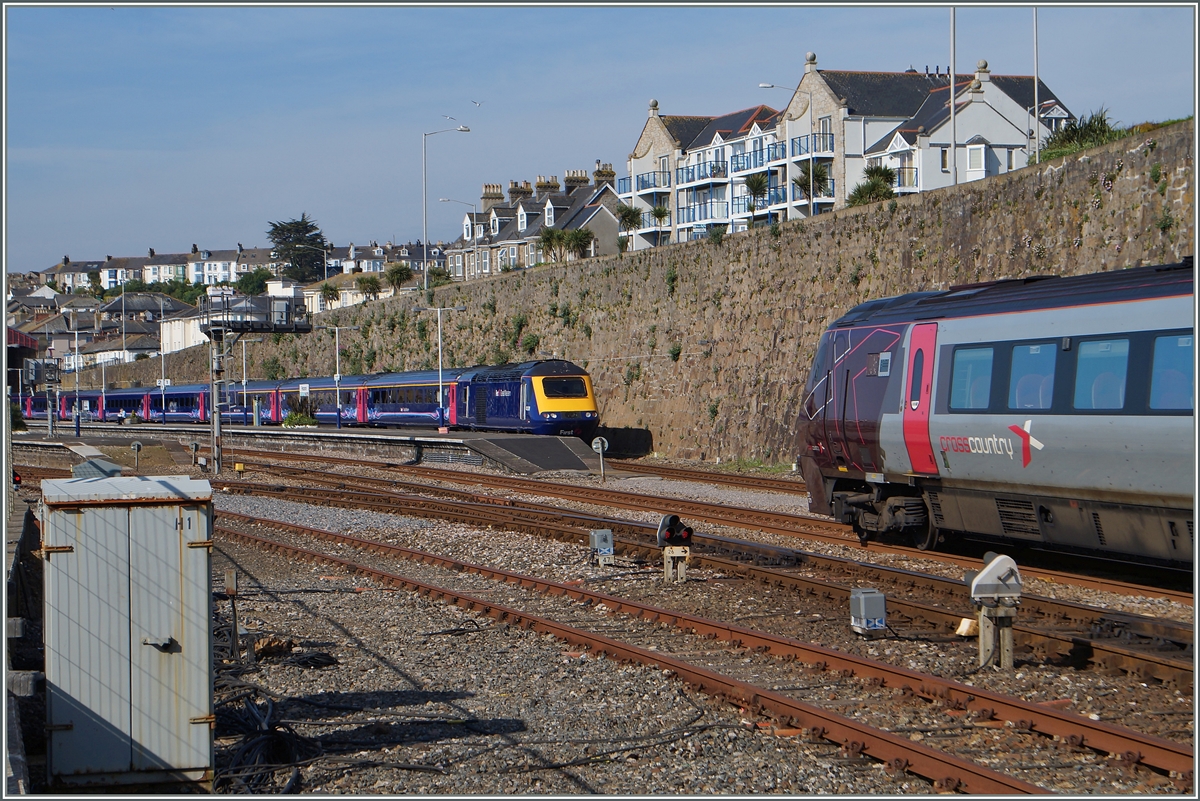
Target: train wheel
[925,538]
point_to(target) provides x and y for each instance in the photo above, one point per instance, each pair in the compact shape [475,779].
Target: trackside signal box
[128,594]
[868,611]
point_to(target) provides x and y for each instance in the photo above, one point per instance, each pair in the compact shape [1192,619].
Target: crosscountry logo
[1026,440]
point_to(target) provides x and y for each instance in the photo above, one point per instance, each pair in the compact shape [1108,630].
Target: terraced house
[694,168]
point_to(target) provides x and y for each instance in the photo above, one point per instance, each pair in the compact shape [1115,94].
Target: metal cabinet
[128,635]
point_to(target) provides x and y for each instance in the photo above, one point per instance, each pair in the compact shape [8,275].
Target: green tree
[307,264]
[1090,131]
[876,186]
[439,276]
[553,242]
[272,369]
[330,293]
[757,186]
[397,274]
[814,178]
[579,241]
[94,286]
[254,283]
[661,214]
[630,219]
[369,285]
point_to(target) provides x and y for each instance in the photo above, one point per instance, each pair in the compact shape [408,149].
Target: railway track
[646,503]
[1028,728]
[1148,648]
[790,486]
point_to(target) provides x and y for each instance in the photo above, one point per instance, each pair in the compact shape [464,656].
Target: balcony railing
[906,178]
[708,171]
[711,210]
[802,194]
[777,151]
[812,143]
[648,221]
[753,160]
[774,196]
[623,186]
[653,180]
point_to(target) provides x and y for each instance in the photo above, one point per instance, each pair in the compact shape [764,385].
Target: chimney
[982,73]
[66,260]
[108,258]
[195,249]
[547,185]
[604,174]
[573,179]
[810,62]
[151,252]
[518,191]
[493,195]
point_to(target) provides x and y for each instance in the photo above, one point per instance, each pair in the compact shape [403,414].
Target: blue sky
[130,127]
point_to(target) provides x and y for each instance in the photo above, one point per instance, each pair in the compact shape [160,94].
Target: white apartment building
[695,167]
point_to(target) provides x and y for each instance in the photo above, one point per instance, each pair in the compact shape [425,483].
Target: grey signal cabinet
[127,628]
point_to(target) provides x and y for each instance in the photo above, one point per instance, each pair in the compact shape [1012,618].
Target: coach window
[1100,374]
[1032,383]
[971,378]
[1172,373]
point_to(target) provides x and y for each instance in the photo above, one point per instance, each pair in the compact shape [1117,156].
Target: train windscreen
[564,388]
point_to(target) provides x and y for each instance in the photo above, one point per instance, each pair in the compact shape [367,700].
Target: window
[1012,159]
[512,255]
[1172,373]
[484,257]
[945,159]
[495,225]
[1100,374]
[549,215]
[502,258]
[975,157]
[521,219]
[564,388]
[971,378]
[1031,385]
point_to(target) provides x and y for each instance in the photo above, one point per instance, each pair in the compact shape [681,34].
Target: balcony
[906,178]
[754,160]
[658,179]
[708,171]
[623,186]
[709,210]
[799,195]
[775,195]
[648,221]
[812,144]
[777,151]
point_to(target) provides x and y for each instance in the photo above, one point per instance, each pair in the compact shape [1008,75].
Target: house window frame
[945,159]
[972,150]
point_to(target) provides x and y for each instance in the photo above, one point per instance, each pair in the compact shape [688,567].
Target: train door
[523,409]
[202,407]
[837,389]
[918,396]
[146,406]
[452,394]
[362,395]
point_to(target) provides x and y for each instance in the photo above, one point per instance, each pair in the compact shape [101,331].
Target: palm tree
[369,285]
[630,219]
[579,241]
[398,274]
[757,186]
[660,214]
[812,178]
[329,293]
[872,190]
[885,174]
[553,243]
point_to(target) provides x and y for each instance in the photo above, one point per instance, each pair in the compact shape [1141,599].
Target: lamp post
[425,201]
[324,255]
[474,238]
[244,341]
[162,363]
[439,310]
[75,325]
[811,159]
[337,355]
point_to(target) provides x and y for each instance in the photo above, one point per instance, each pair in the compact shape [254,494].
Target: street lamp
[244,341]
[439,310]
[337,355]
[425,201]
[75,325]
[324,255]
[811,158]
[474,238]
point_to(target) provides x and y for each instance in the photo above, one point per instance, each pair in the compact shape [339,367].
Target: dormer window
[495,225]
[466,230]
[378,251]
[403,251]
[478,230]
[549,215]
[521,220]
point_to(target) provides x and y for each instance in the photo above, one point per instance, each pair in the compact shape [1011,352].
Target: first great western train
[1051,411]
[552,397]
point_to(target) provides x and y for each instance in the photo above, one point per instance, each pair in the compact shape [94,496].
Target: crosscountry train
[1048,410]
[538,397]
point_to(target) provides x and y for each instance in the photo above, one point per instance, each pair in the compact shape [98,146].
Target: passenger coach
[1048,410]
